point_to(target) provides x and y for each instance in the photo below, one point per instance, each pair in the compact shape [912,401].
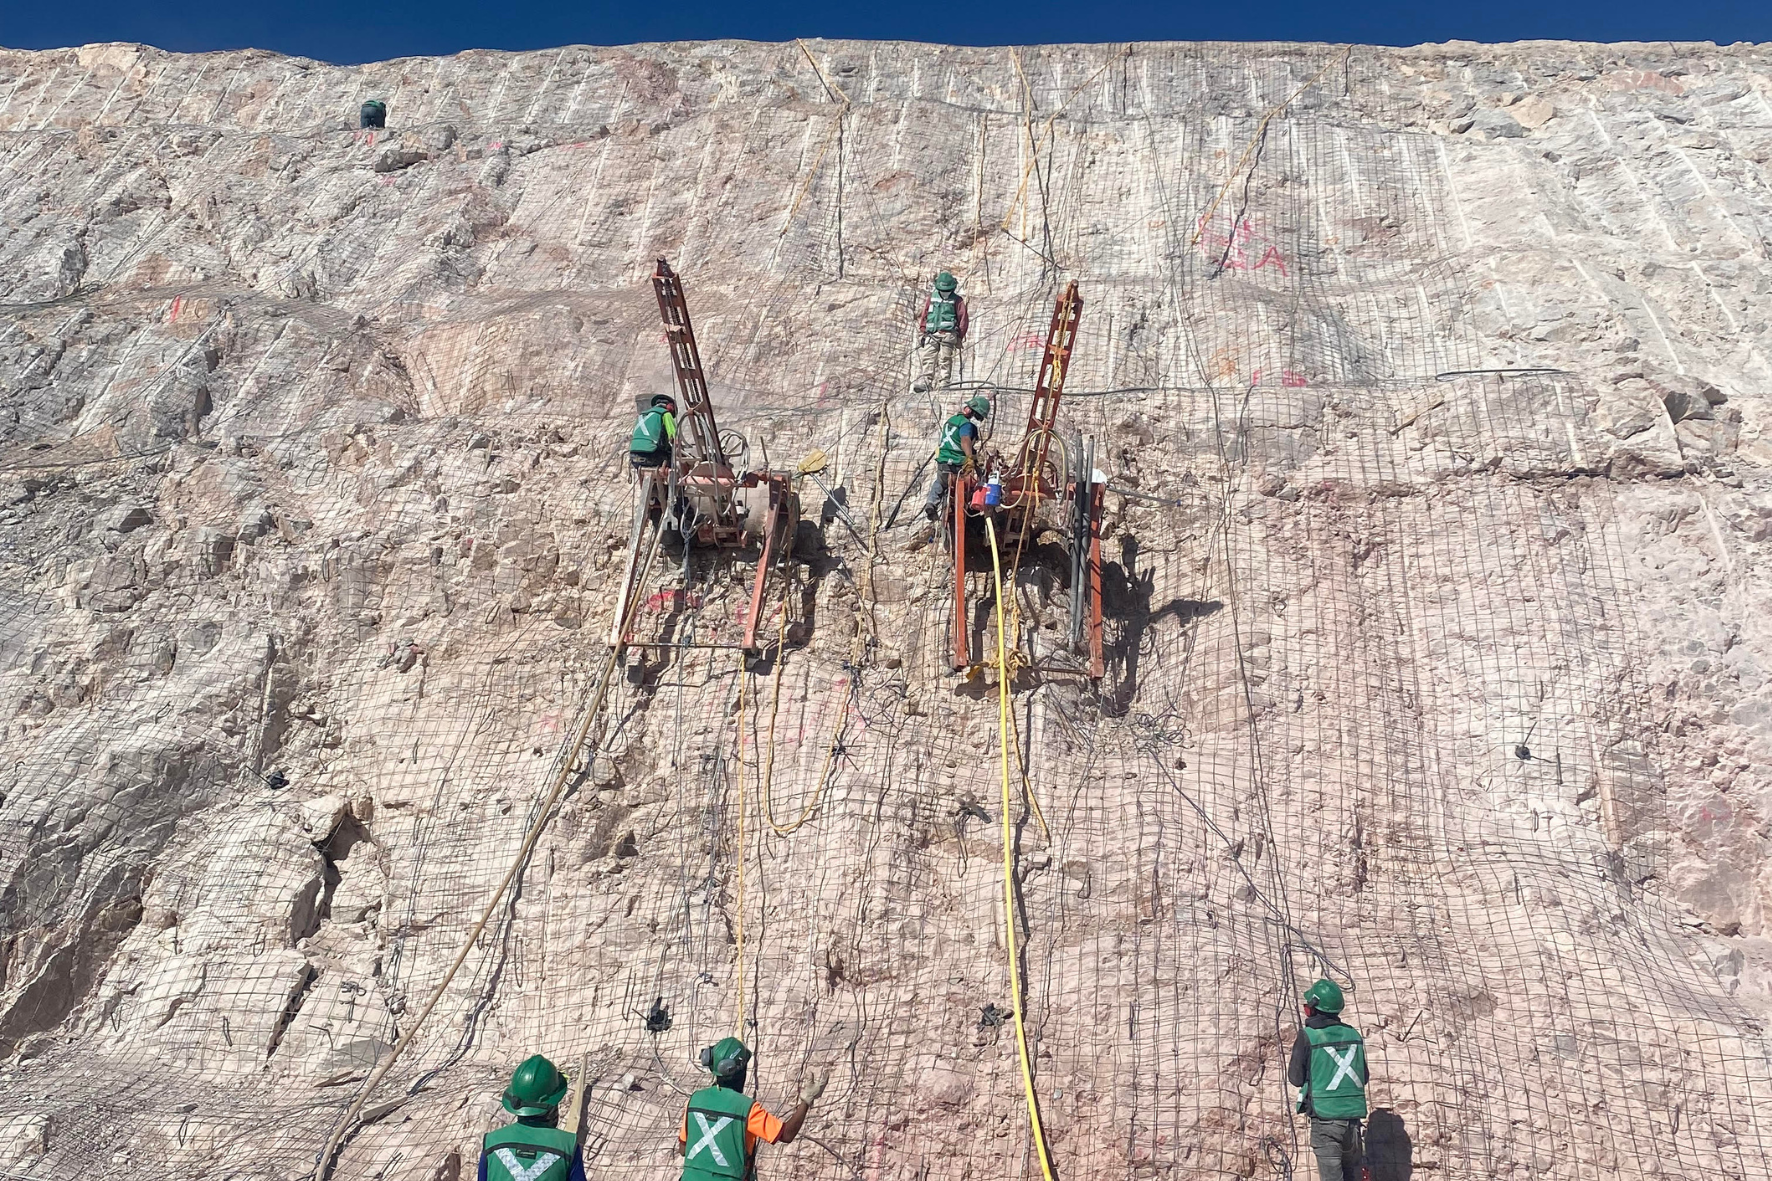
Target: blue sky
[365,30]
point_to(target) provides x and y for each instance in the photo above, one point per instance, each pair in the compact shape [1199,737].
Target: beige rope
[1260,129]
[324,1169]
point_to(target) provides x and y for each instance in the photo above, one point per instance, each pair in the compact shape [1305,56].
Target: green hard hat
[1325,995]
[726,1058]
[946,282]
[537,1087]
[979,405]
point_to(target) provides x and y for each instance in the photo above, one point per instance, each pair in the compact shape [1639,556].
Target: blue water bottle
[993,492]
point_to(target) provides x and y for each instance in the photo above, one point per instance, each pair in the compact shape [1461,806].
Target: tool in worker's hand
[811,466]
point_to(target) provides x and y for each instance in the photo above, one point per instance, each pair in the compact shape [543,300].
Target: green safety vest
[944,313]
[715,1146]
[524,1152]
[950,450]
[655,429]
[1335,1086]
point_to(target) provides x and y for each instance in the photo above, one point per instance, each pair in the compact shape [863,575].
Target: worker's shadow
[1126,597]
[1389,1151]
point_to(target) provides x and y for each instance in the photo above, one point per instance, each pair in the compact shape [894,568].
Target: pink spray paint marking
[676,598]
[1234,245]
[1288,378]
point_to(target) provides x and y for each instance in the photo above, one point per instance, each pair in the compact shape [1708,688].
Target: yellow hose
[744,677]
[1003,716]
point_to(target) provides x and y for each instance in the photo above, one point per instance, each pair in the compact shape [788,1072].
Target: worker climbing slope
[1328,1067]
[534,1148]
[958,449]
[722,1125]
[941,330]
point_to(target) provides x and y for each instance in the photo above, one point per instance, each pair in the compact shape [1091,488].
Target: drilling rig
[706,496]
[1041,474]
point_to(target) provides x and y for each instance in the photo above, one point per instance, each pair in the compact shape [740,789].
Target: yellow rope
[335,1141]
[744,677]
[1003,725]
[1051,121]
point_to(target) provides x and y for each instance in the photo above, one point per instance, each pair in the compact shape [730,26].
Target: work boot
[931,511]
[920,386]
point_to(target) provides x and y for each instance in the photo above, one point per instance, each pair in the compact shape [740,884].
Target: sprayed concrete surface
[1442,667]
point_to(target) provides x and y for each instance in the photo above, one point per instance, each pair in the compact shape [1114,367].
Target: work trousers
[937,350]
[1336,1143]
[944,479]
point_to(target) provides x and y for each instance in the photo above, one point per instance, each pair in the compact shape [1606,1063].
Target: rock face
[1439,663]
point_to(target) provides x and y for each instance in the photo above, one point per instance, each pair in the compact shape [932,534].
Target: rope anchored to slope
[1015,989]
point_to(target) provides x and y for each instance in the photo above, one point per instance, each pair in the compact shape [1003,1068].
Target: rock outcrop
[1437,645]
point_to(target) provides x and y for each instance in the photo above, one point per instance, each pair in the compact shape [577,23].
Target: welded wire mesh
[1374,703]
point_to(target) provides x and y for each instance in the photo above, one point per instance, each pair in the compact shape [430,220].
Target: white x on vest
[708,1132]
[1344,1067]
[509,1160]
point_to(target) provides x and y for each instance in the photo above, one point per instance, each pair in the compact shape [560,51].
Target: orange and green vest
[715,1146]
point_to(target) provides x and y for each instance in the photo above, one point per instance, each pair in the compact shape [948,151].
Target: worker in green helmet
[654,433]
[534,1148]
[940,330]
[958,449]
[1328,1067]
[722,1126]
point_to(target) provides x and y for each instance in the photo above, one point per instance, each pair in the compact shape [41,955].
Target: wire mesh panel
[325,803]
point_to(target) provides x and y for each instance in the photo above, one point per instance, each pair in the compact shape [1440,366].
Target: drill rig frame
[1033,477]
[699,493]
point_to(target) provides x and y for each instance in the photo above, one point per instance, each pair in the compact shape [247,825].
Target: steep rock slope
[1438,663]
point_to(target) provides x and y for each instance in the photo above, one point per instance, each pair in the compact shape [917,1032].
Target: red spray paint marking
[1234,247]
[676,598]
[1033,341]
[1288,379]
[177,302]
